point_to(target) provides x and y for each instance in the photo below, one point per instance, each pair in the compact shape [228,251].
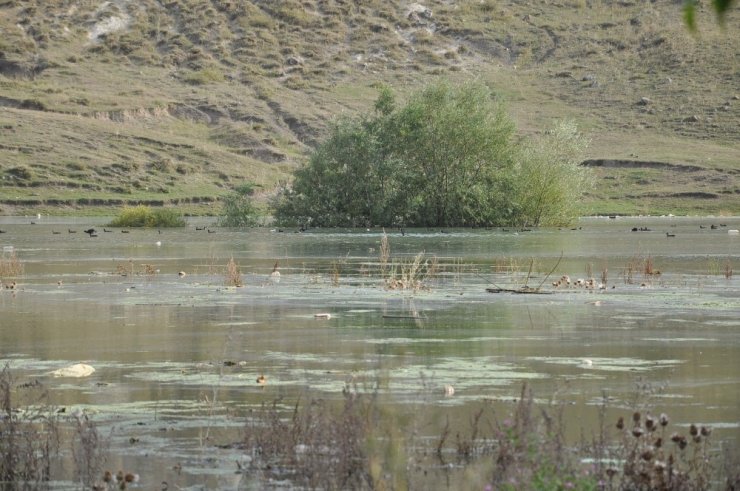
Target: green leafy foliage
[238,209]
[449,157]
[144,216]
[550,179]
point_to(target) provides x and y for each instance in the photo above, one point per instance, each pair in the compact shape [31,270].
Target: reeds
[29,439]
[385,254]
[411,275]
[639,265]
[233,276]
[323,445]
[10,265]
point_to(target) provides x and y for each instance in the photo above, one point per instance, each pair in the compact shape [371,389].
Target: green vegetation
[449,157]
[239,209]
[144,216]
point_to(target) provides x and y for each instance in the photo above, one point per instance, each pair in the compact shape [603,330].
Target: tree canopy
[449,157]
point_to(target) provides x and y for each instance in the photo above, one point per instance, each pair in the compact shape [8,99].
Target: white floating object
[322,316]
[733,231]
[449,390]
[76,370]
[158,243]
[181,274]
[587,363]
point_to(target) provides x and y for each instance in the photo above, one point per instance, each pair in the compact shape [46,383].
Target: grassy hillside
[177,101]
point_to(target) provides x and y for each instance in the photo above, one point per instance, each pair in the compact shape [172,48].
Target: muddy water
[177,357]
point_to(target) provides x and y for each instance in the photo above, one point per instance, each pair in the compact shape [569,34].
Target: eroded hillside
[177,101]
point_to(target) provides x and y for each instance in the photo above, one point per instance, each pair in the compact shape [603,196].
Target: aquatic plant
[411,274]
[144,216]
[233,274]
[351,445]
[10,265]
[29,439]
[89,450]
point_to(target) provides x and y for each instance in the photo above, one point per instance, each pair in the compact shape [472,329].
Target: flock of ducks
[588,284]
[120,479]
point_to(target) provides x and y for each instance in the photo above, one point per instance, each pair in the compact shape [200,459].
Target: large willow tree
[448,157]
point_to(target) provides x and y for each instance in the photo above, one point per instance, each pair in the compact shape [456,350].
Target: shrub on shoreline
[144,216]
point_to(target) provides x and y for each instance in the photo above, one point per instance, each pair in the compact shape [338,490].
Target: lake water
[163,394]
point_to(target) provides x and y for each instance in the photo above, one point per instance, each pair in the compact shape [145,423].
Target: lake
[177,357]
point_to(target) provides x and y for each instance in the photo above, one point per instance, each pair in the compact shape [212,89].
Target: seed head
[658,443]
[663,419]
[637,432]
[620,423]
[636,417]
[650,423]
[693,430]
[706,431]
[647,455]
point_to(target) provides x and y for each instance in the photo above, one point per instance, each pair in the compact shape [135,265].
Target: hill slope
[177,101]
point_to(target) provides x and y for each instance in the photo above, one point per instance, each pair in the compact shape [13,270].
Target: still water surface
[159,340]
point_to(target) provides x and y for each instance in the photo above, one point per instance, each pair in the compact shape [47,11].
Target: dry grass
[10,266]
[347,445]
[233,276]
[322,445]
[29,440]
[414,274]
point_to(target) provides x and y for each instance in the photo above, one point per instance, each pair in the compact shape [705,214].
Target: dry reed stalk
[648,269]
[233,275]
[335,271]
[385,253]
[10,266]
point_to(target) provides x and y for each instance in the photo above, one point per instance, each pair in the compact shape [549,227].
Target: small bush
[239,211]
[144,216]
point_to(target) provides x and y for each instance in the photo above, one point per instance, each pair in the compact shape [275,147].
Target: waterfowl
[449,390]
[275,275]
[3,232]
[124,231]
[69,230]
[106,230]
[261,380]
[89,231]
[210,231]
[54,232]
[181,274]
[668,234]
